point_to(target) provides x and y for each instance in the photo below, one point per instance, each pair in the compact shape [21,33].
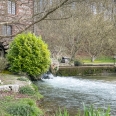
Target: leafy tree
[28,54]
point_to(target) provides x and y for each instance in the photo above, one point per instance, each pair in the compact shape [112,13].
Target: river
[72,92]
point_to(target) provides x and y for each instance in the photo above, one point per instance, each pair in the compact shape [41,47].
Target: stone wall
[85,70]
[18,21]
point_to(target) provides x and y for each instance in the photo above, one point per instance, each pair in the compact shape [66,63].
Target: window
[11,7]
[7,30]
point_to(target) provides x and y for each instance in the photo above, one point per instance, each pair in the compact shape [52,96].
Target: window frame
[7,30]
[11,7]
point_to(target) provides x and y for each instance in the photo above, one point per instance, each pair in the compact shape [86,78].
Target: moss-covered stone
[85,70]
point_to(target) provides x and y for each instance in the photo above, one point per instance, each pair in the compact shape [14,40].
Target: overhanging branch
[45,14]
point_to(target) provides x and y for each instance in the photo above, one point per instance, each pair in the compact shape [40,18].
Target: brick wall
[24,11]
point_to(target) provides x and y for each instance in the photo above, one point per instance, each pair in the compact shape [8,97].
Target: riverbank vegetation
[27,102]
[22,103]
[87,111]
[11,106]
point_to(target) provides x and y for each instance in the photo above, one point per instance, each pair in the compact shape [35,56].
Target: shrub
[29,54]
[3,63]
[25,107]
[31,91]
[26,90]
[77,63]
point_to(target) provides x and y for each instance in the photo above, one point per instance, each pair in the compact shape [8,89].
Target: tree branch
[45,14]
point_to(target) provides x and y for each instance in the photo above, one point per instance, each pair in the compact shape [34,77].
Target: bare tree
[63,34]
[18,16]
[25,18]
[97,32]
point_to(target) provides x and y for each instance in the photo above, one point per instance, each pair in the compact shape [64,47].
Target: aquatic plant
[91,111]
[88,111]
[62,113]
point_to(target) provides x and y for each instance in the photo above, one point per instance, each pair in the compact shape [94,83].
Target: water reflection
[72,92]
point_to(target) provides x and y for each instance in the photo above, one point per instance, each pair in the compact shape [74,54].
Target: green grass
[10,106]
[102,59]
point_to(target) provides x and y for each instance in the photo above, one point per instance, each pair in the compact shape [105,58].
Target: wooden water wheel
[2,50]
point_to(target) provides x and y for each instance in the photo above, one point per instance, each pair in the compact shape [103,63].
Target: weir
[72,92]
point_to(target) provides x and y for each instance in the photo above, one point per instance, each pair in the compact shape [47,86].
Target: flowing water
[72,92]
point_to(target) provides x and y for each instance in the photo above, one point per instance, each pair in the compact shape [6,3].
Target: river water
[73,92]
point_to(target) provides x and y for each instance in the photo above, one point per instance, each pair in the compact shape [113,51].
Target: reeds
[91,111]
[88,111]
[62,113]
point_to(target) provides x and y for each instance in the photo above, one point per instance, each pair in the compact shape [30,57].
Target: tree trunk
[93,58]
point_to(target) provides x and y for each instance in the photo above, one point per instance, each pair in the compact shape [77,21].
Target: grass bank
[100,59]
[25,102]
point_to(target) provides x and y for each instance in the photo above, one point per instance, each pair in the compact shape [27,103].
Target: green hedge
[85,70]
